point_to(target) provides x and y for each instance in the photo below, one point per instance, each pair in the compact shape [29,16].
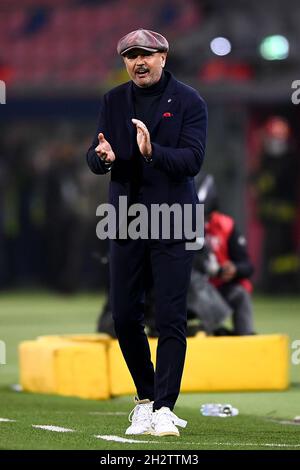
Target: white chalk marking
[137,441]
[162,441]
[288,422]
[122,439]
[52,428]
[248,444]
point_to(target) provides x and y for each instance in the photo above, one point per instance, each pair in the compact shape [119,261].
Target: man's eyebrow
[135,54]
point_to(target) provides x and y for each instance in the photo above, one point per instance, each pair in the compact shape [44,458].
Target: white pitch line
[52,428]
[286,422]
[162,441]
[123,439]
[136,441]
[248,444]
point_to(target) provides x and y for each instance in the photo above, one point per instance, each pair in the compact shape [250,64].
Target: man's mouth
[142,72]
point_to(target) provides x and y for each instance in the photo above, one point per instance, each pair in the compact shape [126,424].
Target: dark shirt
[145,102]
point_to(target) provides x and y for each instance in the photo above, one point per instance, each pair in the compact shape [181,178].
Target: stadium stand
[65,43]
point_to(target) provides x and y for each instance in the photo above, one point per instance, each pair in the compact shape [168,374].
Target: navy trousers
[171,269]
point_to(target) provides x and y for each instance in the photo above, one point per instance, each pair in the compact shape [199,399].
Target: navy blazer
[178,137]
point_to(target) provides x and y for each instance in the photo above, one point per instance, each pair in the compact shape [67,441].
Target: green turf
[258,426]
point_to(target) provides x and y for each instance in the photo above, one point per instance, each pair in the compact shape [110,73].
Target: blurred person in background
[227,263]
[276,187]
[152,160]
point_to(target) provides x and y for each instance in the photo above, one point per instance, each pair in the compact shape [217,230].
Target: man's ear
[163,59]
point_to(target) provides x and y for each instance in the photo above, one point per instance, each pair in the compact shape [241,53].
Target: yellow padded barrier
[37,372]
[85,338]
[120,380]
[259,362]
[92,366]
[219,364]
[63,367]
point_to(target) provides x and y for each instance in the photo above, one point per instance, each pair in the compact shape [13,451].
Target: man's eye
[133,57]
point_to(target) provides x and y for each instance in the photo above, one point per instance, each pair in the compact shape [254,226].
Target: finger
[139,123]
[101,138]
[143,130]
[99,148]
[136,121]
[100,152]
[103,157]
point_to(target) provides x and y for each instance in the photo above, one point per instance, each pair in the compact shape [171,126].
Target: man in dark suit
[151,136]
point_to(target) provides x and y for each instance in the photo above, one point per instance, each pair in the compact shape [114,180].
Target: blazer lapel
[166,102]
[129,114]
[129,108]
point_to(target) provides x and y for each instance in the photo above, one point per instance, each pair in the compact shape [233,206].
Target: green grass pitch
[264,422]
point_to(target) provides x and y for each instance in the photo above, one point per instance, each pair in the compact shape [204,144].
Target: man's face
[144,67]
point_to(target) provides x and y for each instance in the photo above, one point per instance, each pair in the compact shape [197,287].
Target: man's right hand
[229,271]
[104,150]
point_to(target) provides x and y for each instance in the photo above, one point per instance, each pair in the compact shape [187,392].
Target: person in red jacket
[230,267]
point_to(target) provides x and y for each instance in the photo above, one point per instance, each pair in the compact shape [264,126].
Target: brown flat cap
[142,39]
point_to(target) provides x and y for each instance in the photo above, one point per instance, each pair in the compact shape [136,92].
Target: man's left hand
[143,138]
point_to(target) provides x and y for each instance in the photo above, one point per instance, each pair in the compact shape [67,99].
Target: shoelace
[141,412]
[168,414]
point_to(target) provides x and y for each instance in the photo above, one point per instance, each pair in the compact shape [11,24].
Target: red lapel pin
[167,115]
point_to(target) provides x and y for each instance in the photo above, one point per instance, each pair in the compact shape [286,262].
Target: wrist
[148,155]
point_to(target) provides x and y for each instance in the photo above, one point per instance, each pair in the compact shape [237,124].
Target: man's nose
[140,60]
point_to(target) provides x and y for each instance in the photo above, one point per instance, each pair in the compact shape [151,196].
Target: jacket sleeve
[187,158]
[238,253]
[96,165]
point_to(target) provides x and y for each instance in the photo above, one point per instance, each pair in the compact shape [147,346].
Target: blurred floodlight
[220,46]
[274,47]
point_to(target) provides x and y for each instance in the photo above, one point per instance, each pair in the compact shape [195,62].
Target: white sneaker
[164,423]
[140,417]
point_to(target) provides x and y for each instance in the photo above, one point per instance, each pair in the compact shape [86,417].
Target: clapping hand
[143,138]
[104,150]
